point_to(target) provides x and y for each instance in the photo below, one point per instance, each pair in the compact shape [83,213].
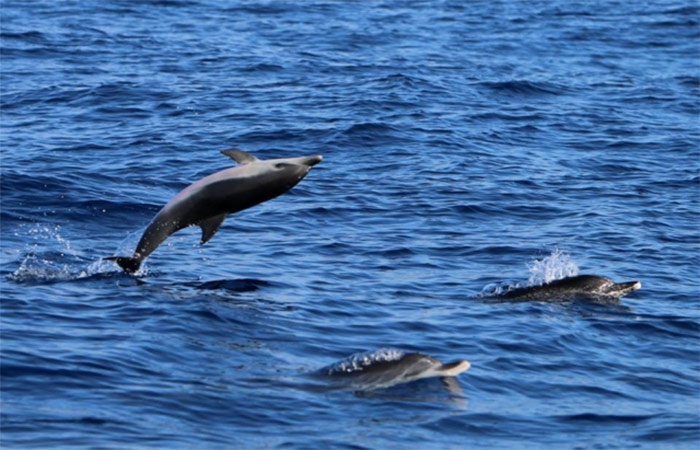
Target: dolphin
[387,367]
[582,286]
[207,202]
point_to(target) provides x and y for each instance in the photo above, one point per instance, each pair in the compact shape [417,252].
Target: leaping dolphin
[582,286]
[387,367]
[207,202]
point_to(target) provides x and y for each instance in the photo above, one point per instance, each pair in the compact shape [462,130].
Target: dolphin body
[387,367]
[593,287]
[207,202]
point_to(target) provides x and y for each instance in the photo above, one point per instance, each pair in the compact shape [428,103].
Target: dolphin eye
[281,165]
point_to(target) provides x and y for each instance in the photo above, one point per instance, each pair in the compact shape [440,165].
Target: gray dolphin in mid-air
[387,367]
[582,286]
[207,202]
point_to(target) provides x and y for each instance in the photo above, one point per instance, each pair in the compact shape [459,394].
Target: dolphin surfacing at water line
[593,287]
[388,367]
[207,202]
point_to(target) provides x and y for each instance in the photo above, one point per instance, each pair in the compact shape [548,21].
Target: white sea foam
[558,264]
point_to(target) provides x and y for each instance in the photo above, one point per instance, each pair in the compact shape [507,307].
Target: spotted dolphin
[207,202]
[387,367]
[582,286]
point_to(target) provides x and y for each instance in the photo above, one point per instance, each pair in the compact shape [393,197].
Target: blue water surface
[468,145]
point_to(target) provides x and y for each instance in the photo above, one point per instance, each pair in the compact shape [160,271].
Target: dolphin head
[604,286]
[277,175]
[287,172]
[424,366]
[407,368]
[621,289]
[295,167]
[290,170]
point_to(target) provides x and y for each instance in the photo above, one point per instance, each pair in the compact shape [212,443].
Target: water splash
[493,290]
[51,257]
[557,265]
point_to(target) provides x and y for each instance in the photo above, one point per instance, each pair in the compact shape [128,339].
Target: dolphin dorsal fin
[239,155]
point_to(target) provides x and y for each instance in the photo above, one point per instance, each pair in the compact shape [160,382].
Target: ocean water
[468,146]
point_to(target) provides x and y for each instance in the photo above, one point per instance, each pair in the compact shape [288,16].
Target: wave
[31,37]
[603,418]
[525,87]
[369,129]
[232,285]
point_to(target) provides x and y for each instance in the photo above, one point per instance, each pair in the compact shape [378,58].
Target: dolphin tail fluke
[129,264]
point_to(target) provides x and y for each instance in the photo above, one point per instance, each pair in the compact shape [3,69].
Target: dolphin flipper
[239,155]
[210,226]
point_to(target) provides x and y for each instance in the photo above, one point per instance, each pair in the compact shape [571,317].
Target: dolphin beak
[627,287]
[306,161]
[454,368]
[631,285]
[312,160]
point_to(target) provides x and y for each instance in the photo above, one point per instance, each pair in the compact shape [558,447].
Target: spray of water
[51,257]
[553,267]
[556,265]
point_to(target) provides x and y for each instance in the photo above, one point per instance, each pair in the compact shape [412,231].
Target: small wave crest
[233,285]
[525,87]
